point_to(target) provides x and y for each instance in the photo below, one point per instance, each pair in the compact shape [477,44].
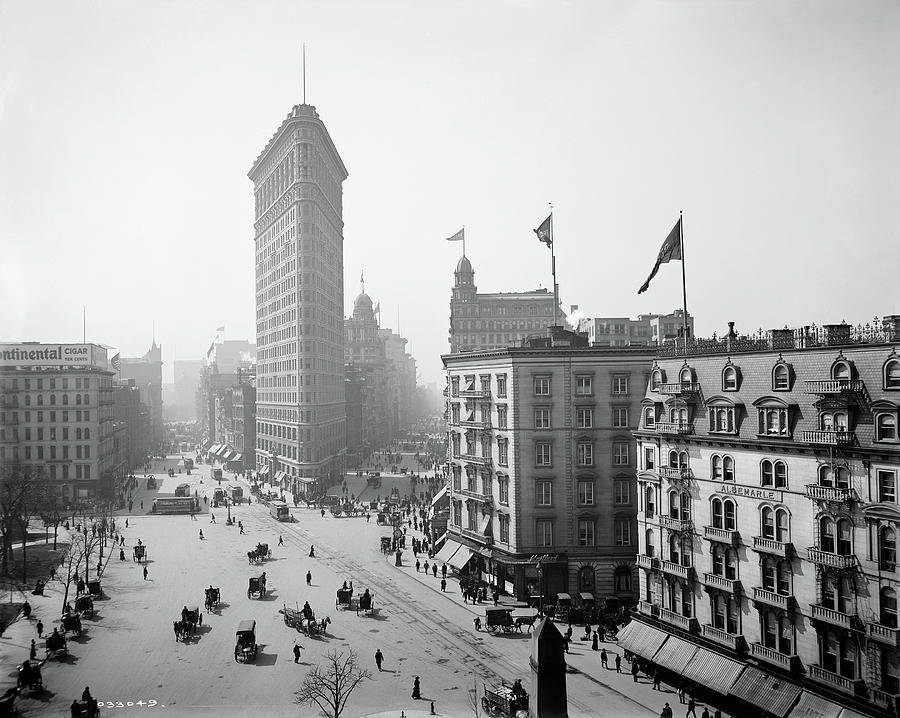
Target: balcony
[648,609]
[835,618]
[772,547]
[475,393]
[882,634]
[477,495]
[481,425]
[885,699]
[770,598]
[674,427]
[733,641]
[770,655]
[851,686]
[651,563]
[676,569]
[676,473]
[832,560]
[475,535]
[727,536]
[667,522]
[685,623]
[730,585]
[824,437]
[477,460]
[832,387]
[832,494]
[680,388]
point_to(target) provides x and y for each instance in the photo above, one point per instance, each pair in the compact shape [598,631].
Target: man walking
[692,708]
[656,680]
[443,584]
[379,657]
[603,659]
[309,578]
[634,671]
[280,540]
[40,628]
[297,648]
[619,665]
[145,573]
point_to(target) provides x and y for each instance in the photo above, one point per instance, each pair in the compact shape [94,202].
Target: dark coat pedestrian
[656,680]
[594,642]
[309,578]
[145,573]
[418,565]
[618,661]
[40,628]
[33,653]
[379,658]
[296,653]
[26,609]
[692,708]
[416,693]
[434,569]
[443,584]
[603,659]
[634,671]
[312,551]
[444,570]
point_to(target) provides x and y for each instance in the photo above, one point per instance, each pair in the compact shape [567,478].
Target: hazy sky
[127,130]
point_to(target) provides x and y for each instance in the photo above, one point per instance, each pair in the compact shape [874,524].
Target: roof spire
[304,73]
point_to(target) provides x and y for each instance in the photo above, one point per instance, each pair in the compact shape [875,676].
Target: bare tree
[23,489]
[72,563]
[330,685]
[473,697]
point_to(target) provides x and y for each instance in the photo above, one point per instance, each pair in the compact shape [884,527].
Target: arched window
[675,504]
[837,593]
[886,427]
[780,475]
[892,374]
[729,379]
[650,551]
[586,578]
[888,607]
[834,476]
[717,512]
[767,473]
[827,534]
[686,376]
[777,576]
[782,525]
[675,549]
[768,522]
[778,632]
[685,506]
[727,468]
[673,459]
[833,421]
[649,417]
[725,614]
[650,502]
[725,562]
[840,371]
[887,549]
[781,378]
[839,654]
[730,515]
[65,398]
[716,467]
[844,537]
[655,380]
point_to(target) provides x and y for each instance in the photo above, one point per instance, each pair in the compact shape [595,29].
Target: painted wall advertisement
[52,355]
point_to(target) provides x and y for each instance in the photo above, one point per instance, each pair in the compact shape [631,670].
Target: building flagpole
[553,270]
[84,324]
[684,325]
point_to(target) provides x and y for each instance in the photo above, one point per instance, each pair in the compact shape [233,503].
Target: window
[836,535]
[649,458]
[585,454]
[649,417]
[886,427]
[620,453]
[471,479]
[584,418]
[543,491]
[778,632]
[501,384]
[542,455]
[773,421]
[655,379]
[776,524]
[834,476]
[457,478]
[623,492]
[503,484]
[454,387]
[840,371]
[584,385]
[724,514]
[721,420]
[887,486]
[725,614]
[542,418]
[620,417]
[622,579]
[504,527]
[892,374]
[781,378]
[501,417]
[503,452]
[887,549]
[542,385]
[729,379]
[724,562]
[623,532]
[833,421]
[839,654]
[586,493]
[888,607]
[620,384]
[727,468]
[585,532]
[544,530]
[649,502]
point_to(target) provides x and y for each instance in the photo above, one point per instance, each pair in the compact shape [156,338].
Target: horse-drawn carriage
[385,544]
[29,676]
[257,586]
[526,619]
[139,553]
[344,598]
[71,622]
[245,648]
[504,700]
[187,626]
[213,597]
[381,519]
[499,620]
[365,603]
[151,482]
[304,619]
[85,605]
[259,554]
[374,479]
[56,643]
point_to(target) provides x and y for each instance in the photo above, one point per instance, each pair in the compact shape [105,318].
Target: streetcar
[236,493]
[173,505]
[280,510]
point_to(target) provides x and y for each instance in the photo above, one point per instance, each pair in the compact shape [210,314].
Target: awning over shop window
[675,654]
[206,444]
[812,706]
[236,457]
[227,455]
[641,639]
[449,548]
[306,480]
[279,476]
[484,526]
[459,559]
[439,495]
[779,694]
[713,671]
[214,448]
[850,713]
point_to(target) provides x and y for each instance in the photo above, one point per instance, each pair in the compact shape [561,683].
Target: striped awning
[713,670]
[779,694]
[641,639]
[812,706]
[449,548]
[675,654]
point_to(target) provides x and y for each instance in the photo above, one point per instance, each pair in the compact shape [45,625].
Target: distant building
[226,363]
[489,321]
[134,415]
[187,384]
[147,374]
[239,409]
[646,330]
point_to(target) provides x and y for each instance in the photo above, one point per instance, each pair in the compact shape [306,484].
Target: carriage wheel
[485,705]
[248,593]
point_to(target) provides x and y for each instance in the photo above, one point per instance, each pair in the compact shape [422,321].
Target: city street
[128,652]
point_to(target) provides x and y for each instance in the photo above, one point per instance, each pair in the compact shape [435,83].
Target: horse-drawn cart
[56,643]
[257,586]
[304,619]
[507,701]
[29,676]
[71,622]
[213,597]
[365,603]
[139,553]
[260,553]
[245,648]
[499,620]
[85,606]
[345,599]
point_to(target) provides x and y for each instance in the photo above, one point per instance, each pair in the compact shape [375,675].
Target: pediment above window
[720,400]
[883,512]
[772,401]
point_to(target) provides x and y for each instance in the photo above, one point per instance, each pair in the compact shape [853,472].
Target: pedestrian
[443,584]
[312,551]
[705,713]
[603,659]
[619,663]
[415,692]
[145,573]
[656,680]
[201,534]
[33,653]
[309,578]
[418,565]
[379,658]
[666,712]
[692,708]
[126,523]
[40,628]
[26,609]
[477,622]
[434,569]
[121,554]
[595,642]
[444,570]
[212,518]
[297,653]
[566,641]
[717,713]
[142,505]
[280,540]
[426,567]
[496,596]
[121,541]
[681,689]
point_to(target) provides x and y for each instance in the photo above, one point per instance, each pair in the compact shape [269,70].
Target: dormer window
[649,417]
[781,377]
[730,378]
[840,371]
[892,374]
[833,421]
[773,415]
[723,415]
[686,375]
[656,378]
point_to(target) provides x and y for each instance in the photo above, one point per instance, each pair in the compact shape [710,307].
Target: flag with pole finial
[459,236]
[671,249]
[544,232]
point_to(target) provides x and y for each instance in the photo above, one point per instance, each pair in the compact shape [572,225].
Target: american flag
[116,363]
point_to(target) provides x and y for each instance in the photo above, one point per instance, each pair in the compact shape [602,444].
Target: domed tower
[464,287]
[463,302]
[362,307]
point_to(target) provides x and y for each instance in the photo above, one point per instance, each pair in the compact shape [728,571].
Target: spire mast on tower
[304,73]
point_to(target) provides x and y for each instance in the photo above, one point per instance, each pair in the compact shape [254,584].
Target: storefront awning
[214,448]
[586,597]
[305,479]
[206,444]
[641,639]
[779,694]
[850,713]
[713,670]
[236,457]
[279,476]
[227,455]
[449,548]
[675,654]
[812,706]
[459,559]
[439,495]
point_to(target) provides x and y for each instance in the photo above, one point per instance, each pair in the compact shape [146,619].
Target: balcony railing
[732,538]
[478,495]
[685,623]
[882,634]
[770,598]
[829,493]
[667,522]
[829,615]
[648,609]
[676,569]
[770,655]
[651,563]
[482,425]
[835,386]
[475,393]
[476,536]
[674,427]
[680,388]
[885,699]
[676,473]
[479,460]
[824,437]
[833,560]
[772,547]
[853,686]
[731,585]
[733,641]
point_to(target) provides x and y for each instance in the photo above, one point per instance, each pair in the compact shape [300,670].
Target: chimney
[836,334]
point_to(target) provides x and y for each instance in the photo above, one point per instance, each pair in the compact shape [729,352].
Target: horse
[323,625]
[525,621]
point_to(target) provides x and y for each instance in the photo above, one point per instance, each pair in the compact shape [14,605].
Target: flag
[361,280]
[220,329]
[671,249]
[116,362]
[459,236]
[209,351]
[544,232]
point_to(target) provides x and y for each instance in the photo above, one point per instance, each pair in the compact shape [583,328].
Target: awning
[279,476]
[227,455]
[813,706]
[214,448]
[850,713]
[236,457]
[675,654]
[779,694]
[459,559]
[641,639]
[586,597]
[713,670]
[449,548]
[206,444]
[305,480]
[563,597]
[440,494]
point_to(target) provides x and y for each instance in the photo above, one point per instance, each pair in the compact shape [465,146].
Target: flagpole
[464,240]
[684,326]
[553,269]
